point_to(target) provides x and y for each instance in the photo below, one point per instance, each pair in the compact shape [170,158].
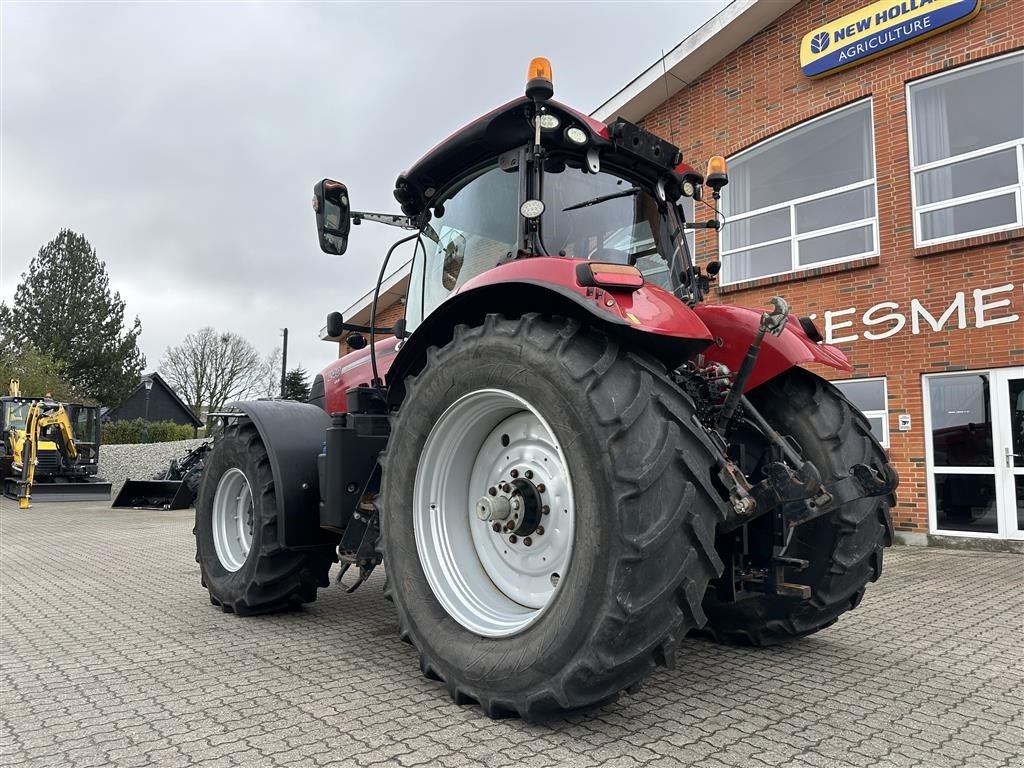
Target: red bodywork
[734,328]
[726,330]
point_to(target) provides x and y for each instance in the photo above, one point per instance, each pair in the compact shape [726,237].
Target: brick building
[876,157]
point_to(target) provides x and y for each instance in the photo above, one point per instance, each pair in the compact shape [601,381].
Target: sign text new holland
[878,28]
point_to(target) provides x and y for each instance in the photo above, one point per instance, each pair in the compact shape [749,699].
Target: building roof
[723,33]
[158,381]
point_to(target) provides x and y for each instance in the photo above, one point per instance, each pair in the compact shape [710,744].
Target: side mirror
[330,203]
[335,325]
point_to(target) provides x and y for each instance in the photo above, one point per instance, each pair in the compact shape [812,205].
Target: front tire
[243,565]
[621,463]
[844,548]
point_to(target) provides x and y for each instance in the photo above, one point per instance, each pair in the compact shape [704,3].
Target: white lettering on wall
[987,312]
[980,306]
[918,311]
[831,327]
[896,318]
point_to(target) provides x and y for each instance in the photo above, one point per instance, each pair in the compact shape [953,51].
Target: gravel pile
[139,462]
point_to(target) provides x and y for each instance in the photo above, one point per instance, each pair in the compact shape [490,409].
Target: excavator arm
[52,420]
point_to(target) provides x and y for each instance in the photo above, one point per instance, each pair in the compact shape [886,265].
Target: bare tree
[272,379]
[209,369]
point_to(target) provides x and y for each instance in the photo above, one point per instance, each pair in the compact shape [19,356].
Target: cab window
[477,229]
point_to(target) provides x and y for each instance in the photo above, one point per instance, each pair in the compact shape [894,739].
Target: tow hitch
[791,488]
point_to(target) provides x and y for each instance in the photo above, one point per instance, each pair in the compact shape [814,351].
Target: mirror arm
[391,219]
[354,328]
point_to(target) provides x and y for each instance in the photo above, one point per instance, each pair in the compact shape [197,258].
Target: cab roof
[509,127]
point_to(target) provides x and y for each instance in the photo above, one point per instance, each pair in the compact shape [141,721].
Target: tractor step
[93,489]
[154,494]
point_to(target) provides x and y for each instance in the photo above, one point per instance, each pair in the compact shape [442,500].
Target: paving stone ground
[110,654]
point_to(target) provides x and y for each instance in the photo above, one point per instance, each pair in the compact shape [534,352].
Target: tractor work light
[531,209]
[539,85]
[549,122]
[576,135]
[613,276]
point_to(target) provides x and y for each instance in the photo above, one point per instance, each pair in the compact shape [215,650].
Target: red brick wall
[759,90]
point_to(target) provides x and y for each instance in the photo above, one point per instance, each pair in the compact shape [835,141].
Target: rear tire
[642,549]
[249,574]
[844,548]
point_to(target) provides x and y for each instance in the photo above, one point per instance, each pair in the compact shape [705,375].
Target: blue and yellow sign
[879,28]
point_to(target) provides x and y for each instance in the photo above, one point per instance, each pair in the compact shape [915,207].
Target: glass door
[975,452]
[1009,388]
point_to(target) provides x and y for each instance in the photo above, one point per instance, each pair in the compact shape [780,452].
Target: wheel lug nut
[506,488]
[545,509]
[540,530]
[541,488]
[496,527]
[515,473]
[493,491]
[527,541]
[529,474]
[513,539]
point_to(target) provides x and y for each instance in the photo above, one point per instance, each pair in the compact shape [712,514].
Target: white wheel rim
[232,519]
[486,582]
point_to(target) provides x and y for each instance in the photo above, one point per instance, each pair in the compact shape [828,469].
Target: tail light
[621,276]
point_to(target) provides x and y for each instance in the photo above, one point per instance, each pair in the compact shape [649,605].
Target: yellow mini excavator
[49,450]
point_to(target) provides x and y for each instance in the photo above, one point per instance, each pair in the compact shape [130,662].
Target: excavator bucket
[154,494]
[79,490]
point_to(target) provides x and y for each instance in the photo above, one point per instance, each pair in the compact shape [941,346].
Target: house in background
[153,400]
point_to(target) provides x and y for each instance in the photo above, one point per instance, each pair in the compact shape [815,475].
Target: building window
[802,199]
[870,397]
[967,150]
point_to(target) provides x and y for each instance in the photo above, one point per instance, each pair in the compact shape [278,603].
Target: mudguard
[734,328]
[293,434]
[648,318]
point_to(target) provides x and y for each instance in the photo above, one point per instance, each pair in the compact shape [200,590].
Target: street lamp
[147,382]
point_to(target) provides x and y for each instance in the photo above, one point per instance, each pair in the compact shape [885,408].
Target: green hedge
[135,431]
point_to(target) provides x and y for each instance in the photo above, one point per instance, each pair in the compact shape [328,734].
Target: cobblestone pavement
[112,655]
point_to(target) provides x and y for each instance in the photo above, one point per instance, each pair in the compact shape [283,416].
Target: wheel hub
[232,519]
[492,550]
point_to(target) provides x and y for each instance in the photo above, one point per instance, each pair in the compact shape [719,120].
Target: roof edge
[692,57]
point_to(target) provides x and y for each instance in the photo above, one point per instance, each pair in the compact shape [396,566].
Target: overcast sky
[183,139]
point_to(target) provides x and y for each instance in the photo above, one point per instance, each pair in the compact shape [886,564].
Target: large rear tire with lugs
[547,517]
[242,562]
[844,548]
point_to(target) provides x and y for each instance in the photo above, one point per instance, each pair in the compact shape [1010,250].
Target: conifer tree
[64,308]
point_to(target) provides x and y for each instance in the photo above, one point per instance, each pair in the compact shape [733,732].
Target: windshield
[15,415]
[621,230]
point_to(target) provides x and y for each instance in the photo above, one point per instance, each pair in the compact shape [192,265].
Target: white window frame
[883,413]
[794,238]
[1017,189]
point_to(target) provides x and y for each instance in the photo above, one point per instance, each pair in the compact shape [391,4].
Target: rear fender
[734,329]
[293,434]
[648,319]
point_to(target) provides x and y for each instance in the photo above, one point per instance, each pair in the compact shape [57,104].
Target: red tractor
[564,459]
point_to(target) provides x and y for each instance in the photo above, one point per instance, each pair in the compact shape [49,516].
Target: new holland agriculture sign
[879,28]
